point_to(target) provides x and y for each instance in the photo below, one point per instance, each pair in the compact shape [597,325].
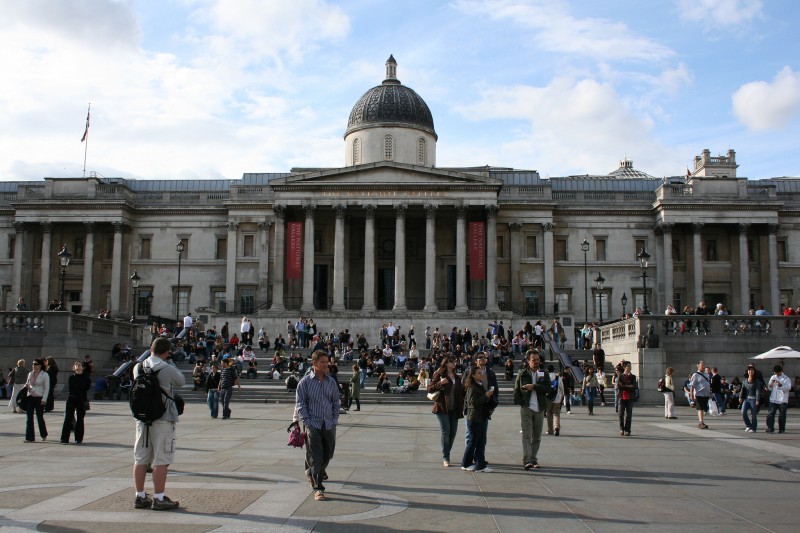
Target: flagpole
[86,137]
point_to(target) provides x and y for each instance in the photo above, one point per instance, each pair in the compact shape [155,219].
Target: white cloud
[557,30]
[575,126]
[760,105]
[720,13]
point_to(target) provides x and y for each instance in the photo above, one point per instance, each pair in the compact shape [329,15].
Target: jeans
[475,449]
[77,411]
[448,423]
[625,415]
[590,393]
[749,405]
[34,404]
[720,399]
[532,422]
[781,409]
[320,446]
[363,377]
[225,398]
[213,402]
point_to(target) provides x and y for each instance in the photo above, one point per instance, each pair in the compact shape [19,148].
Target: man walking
[779,386]
[716,390]
[530,393]
[699,393]
[317,405]
[626,385]
[155,444]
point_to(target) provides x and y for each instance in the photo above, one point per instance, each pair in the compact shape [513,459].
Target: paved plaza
[239,475]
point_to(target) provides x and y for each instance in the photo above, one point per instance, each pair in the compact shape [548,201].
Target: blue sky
[216,88]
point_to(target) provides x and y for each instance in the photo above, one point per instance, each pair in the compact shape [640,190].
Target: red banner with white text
[477,251]
[294,250]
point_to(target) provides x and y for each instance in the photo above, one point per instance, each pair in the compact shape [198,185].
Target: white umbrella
[781,352]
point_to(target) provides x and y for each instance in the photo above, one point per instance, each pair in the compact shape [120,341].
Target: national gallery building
[390,234]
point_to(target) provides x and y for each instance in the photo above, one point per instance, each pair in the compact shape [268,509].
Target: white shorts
[160,438]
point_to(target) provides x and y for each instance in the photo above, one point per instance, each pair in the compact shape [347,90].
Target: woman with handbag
[52,371]
[38,384]
[447,394]
[590,388]
[16,378]
[669,395]
[77,402]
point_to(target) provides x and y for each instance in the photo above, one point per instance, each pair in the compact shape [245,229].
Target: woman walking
[355,387]
[16,378]
[749,398]
[38,384]
[52,371]
[478,412]
[590,388]
[212,390]
[669,395]
[77,400]
[448,405]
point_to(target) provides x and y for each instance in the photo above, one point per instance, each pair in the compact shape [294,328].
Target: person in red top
[627,395]
[234,342]
[791,323]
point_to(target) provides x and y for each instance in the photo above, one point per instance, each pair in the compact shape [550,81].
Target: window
[562,304]
[638,300]
[108,248]
[247,301]
[388,151]
[77,248]
[357,151]
[752,250]
[181,299]
[500,250]
[786,298]
[711,250]
[185,241]
[144,301]
[12,245]
[222,248]
[676,250]
[218,300]
[560,249]
[601,300]
[600,249]
[530,246]
[144,248]
[638,245]
[421,151]
[783,255]
[248,246]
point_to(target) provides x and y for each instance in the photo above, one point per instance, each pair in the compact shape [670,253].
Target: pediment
[385,174]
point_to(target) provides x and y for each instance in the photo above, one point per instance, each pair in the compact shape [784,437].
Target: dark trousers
[780,408]
[225,399]
[76,411]
[51,399]
[319,451]
[475,447]
[625,414]
[34,404]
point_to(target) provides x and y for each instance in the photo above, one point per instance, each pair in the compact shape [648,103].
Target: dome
[390,104]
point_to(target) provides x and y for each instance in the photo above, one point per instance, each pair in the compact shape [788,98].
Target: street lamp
[643,258]
[585,248]
[179,248]
[64,257]
[134,285]
[600,280]
[624,301]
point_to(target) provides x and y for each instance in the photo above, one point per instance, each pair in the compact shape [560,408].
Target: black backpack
[146,396]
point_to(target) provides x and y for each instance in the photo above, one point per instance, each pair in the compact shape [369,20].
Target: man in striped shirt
[317,405]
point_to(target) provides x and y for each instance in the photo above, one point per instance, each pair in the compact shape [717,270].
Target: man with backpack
[153,404]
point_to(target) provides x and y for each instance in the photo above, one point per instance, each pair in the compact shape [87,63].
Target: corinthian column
[338,259]
[461,259]
[491,258]
[16,286]
[369,258]
[230,267]
[774,282]
[280,248]
[400,258]
[697,262]
[88,268]
[549,280]
[430,259]
[308,260]
[263,260]
[744,272]
[116,266]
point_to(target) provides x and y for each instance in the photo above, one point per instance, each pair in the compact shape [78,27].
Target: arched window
[357,151]
[421,151]
[388,151]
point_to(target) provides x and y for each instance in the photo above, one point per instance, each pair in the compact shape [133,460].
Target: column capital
[743,228]
[339,210]
[119,227]
[515,226]
[492,210]
[461,211]
[89,226]
[697,227]
[47,227]
[667,227]
[658,229]
[310,210]
[19,227]
[233,226]
[369,210]
[279,210]
[264,225]
[400,210]
[772,229]
[430,210]
[548,227]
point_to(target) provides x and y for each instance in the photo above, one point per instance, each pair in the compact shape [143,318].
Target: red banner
[294,250]
[477,251]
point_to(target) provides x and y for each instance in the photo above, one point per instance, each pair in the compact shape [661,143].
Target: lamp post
[624,301]
[134,285]
[643,258]
[585,248]
[600,280]
[179,248]
[64,257]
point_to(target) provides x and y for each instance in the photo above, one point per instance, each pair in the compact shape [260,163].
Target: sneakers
[319,496]
[702,426]
[748,430]
[164,505]
[536,464]
[484,470]
[142,503]
[446,463]
[528,466]
[470,468]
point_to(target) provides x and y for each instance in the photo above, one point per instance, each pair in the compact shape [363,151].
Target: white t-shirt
[187,321]
[533,404]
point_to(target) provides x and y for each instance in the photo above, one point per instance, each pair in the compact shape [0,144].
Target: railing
[24,321]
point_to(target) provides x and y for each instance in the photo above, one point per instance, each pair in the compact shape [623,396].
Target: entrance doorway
[320,286]
[385,288]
